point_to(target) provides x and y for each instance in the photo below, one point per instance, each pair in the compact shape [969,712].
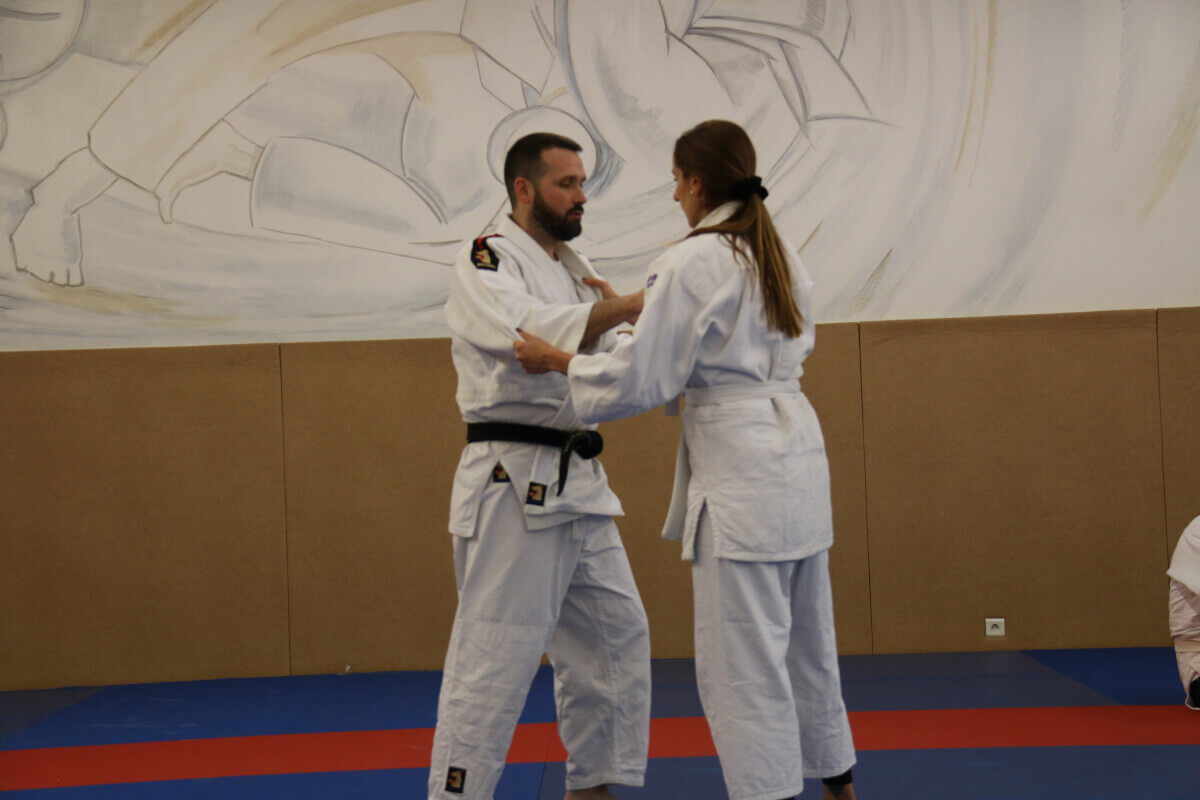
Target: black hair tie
[743,189]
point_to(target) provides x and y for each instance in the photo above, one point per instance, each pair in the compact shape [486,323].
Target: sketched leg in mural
[436,191]
[494,61]
[222,58]
[220,150]
[741,60]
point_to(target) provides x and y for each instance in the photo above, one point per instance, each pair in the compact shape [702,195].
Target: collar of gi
[568,257]
[719,214]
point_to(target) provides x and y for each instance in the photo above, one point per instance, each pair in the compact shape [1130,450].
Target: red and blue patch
[483,256]
[536,495]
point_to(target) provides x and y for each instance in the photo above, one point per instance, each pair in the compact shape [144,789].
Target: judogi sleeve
[490,300]
[652,365]
[1185,561]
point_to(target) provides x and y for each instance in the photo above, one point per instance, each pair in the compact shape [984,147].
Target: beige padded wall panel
[141,516]
[1014,468]
[1179,371]
[833,383]
[372,438]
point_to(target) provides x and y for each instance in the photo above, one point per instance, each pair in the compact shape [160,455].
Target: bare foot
[47,243]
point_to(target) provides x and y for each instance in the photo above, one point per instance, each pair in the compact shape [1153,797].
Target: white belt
[732,392]
[1187,645]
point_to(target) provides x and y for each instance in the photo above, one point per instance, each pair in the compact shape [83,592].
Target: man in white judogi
[538,560]
[1185,610]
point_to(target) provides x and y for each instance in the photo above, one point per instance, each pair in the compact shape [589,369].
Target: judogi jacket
[1184,603]
[751,452]
[500,283]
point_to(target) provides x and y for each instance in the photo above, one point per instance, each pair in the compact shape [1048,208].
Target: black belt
[588,444]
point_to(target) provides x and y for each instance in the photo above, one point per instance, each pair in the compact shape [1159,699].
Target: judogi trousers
[767,671]
[567,591]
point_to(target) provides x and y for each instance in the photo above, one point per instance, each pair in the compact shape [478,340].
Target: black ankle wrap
[839,780]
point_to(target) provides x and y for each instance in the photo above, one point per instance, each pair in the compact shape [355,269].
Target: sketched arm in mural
[166,130]
[634,99]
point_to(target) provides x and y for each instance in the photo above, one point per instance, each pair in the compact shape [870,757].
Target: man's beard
[562,228]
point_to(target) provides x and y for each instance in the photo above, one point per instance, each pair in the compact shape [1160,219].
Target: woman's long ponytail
[721,155]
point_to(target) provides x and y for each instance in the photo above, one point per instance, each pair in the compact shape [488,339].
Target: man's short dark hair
[524,159]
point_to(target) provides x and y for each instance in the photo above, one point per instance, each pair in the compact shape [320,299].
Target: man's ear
[523,189]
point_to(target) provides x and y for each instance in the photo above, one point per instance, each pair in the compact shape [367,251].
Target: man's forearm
[608,314]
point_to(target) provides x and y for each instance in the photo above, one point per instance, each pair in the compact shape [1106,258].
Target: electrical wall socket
[993,626]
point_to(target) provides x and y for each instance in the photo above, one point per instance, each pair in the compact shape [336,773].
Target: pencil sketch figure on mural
[203,171]
[360,122]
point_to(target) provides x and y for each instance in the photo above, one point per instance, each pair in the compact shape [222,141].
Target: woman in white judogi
[727,322]
[1185,610]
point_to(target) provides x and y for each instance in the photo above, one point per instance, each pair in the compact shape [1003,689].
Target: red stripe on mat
[1073,726]
[1083,726]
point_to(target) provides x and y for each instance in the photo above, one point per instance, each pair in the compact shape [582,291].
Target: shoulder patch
[482,255]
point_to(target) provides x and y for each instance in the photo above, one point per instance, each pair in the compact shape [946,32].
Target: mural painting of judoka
[379,124]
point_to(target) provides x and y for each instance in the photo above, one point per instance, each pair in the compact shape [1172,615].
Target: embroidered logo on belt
[537,494]
[499,474]
[456,779]
[482,254]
